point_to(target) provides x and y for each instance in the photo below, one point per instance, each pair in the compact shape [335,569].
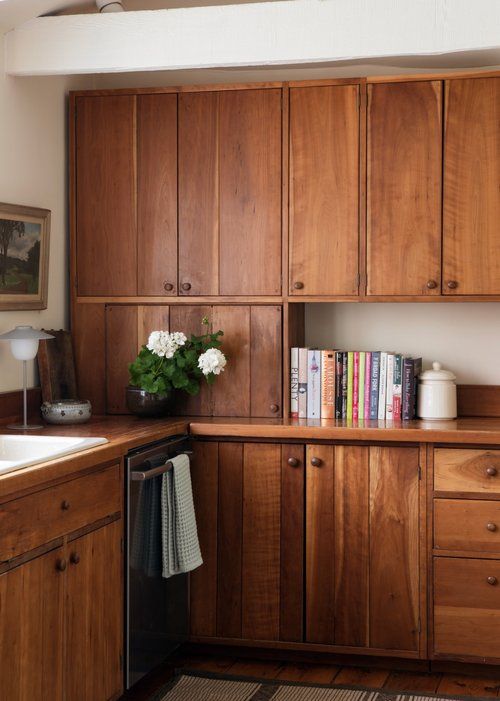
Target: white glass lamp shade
[24,341]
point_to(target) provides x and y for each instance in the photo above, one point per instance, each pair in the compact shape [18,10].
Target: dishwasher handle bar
[138,476]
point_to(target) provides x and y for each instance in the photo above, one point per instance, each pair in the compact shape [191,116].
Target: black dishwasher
[156,609]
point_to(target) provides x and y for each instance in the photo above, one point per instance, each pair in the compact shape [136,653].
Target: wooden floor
[377,678]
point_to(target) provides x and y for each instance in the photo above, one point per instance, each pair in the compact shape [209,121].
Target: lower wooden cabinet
[312,545]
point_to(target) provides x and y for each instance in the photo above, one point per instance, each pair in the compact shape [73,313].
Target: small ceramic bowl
[66,411]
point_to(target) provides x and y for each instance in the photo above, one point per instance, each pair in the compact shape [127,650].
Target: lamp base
[24,427]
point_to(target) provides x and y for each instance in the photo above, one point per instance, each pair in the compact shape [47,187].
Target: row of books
[353,385]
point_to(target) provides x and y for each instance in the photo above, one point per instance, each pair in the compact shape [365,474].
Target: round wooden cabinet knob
[168,287]
[65,505]
[274,408]
[491,527]
[74,558]
[431,284]
[61,565]
[491,471]
[316,462]
[298,285]
[293,462]
[186,286]
[452,284]
[492,580]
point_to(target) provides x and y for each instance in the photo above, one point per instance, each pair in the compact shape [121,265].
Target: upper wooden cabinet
[106,241]
[324,190]
[230,193]
[404,158]
[471,251]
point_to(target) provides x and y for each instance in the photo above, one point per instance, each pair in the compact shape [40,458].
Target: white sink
[21,451]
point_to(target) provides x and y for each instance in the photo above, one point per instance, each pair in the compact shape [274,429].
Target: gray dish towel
[181,549]
[145,551]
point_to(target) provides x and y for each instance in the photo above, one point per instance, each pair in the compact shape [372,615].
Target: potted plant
[169,363]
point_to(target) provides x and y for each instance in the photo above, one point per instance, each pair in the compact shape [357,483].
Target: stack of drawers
[466,554]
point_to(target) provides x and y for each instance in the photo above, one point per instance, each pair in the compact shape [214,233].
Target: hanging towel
[145,552]
[181,549]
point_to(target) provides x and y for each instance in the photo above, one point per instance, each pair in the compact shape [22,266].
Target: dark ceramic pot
[144,403]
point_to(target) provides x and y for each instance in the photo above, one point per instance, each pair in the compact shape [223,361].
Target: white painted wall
[465,337]
[33,167]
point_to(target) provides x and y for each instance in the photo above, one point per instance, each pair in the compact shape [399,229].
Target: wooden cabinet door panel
[106,233]
[324,190]
[122,345]
[157,194]
[94,610]
[471,210]
[404,188]
[394,548]
[320,545]
[265,361]
[231,391]
[89,338]
[199,193]
[250,192]
[31,629]
[203,580]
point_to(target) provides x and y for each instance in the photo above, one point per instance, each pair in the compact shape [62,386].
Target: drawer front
[33,520]
[467,607]
[457,470]
[467,524]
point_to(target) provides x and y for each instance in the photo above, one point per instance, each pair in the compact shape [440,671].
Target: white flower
[213,361]
[165,344]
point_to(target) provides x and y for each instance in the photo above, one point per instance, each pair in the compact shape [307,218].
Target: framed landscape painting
[24,257]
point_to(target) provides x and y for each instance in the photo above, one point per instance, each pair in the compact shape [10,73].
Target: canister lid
[437,373]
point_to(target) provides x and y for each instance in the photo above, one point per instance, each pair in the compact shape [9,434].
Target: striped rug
[195,687]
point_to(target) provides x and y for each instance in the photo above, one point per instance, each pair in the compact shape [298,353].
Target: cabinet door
[471,212]
[324,190]
[252,584]
[94,611]
[106,234]
[31,627]
[157,194]
[250,192]
[404,188]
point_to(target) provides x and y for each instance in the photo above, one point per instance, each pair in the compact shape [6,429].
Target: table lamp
[24,346]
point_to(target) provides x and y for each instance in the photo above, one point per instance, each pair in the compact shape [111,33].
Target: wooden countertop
[127,432]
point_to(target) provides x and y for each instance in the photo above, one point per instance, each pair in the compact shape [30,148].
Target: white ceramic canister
[437,394]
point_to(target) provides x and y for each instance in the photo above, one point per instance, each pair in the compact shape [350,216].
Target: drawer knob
[274,408]
[452,284]
[316,462]
[431,284]
[491,526]
[492,581]
[491,471]
[293,462]
[298,285]
[65,505]
[186,286]
[168,287]
[74,558]
[61,565]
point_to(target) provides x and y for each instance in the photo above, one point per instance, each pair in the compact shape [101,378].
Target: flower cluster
[212,361]
[165,344]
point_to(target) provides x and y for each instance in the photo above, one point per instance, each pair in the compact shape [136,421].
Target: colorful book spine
[397,387]
[382,387]
[338,384]
[355,386]
[368,370]
[361,399]
[374,384]
[328,384]
[390,387]
[302,383]
[408,375]
[314,384]
[294,383]
[344,385]
[417,369]
[350,379]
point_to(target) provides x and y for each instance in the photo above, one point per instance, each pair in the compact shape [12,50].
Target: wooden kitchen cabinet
[248,500]
[362,547]
[471,206]
[324,191]
[404,156]
[105,177]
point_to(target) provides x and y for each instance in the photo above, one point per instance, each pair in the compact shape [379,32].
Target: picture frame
[24,257]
